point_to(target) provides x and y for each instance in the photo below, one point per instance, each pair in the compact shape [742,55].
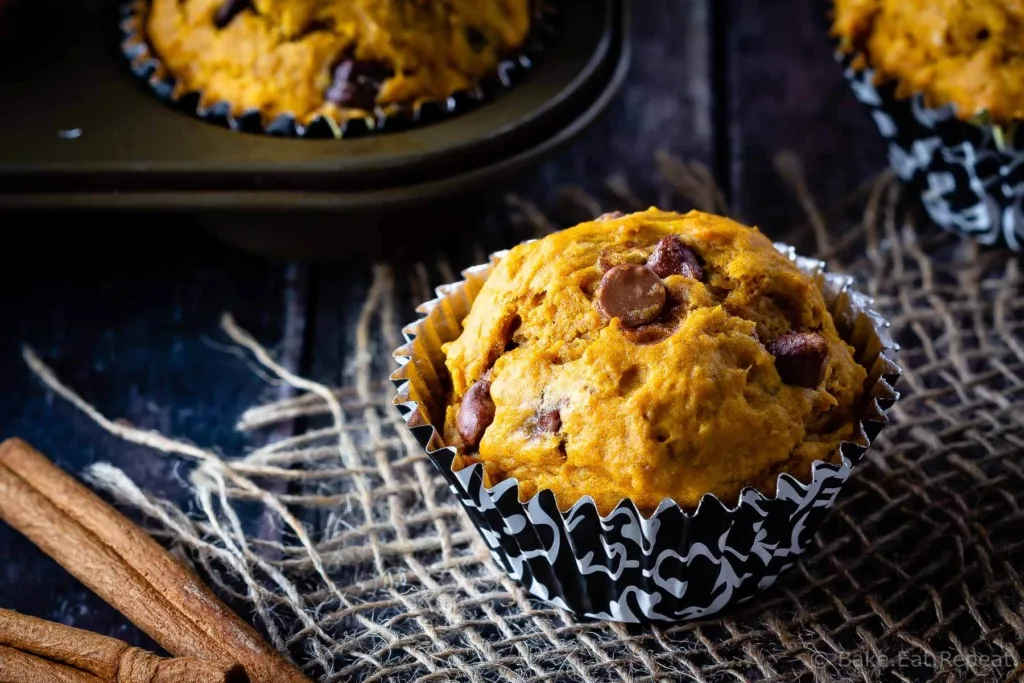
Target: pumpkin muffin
[649,356]
[967,53]
[337,58]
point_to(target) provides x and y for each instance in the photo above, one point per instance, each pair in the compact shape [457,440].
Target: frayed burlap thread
[376,573]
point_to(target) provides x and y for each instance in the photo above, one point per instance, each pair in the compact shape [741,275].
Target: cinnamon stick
[127,568]
[21,667]
[108,659]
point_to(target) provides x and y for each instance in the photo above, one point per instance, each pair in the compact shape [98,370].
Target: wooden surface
[129,314]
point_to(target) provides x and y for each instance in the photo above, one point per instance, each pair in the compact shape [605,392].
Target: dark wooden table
[129,314]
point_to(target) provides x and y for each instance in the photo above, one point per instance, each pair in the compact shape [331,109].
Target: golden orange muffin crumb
[339,58]
[968,53]
[649,356]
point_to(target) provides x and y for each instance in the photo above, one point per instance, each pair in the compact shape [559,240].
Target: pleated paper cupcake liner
[148,66]
[969,174]
[670,565]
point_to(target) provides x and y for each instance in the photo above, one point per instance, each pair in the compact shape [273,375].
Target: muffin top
[340,58]
[968,53]
[649,356]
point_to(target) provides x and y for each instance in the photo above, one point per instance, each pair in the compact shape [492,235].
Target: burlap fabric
[376,573]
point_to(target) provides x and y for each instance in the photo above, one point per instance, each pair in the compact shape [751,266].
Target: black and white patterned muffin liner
[969,175]
[673,564]
[148,66]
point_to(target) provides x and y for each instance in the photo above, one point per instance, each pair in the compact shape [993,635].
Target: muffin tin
[79,130]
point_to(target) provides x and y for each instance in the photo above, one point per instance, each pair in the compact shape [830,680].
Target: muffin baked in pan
[139,153]
[333,69]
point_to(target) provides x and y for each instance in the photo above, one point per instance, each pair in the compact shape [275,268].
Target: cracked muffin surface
[339,58]
[962,52]
[649,356]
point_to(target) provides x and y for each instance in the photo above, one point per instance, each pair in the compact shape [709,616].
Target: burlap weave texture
[377,574]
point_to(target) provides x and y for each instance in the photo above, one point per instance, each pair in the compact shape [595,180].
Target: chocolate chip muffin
[649,356]
[962,52]
[337,58]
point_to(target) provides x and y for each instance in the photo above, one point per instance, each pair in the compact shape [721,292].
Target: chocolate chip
[650,334]
[672,257]
[610,216]
[661,329]
[633,294]
[800,358]
[228,10]
[549,421]
[477,39]
[356,84]
[476,413]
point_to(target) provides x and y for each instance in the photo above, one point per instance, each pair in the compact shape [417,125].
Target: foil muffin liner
[670,565]
[147,65]
[969,175]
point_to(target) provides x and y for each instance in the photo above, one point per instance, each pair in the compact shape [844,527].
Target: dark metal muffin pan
[79,130]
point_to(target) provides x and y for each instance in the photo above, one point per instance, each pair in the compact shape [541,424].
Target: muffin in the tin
[649,357]
[943,79]
[337,59]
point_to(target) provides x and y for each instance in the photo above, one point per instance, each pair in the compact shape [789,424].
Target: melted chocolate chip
[672,257]
[800,358]
[476,413]
[634,294]
[477,39]
[356,84]
[228,10]
[610,216]
[650,334]
[660,329]
[549,421]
